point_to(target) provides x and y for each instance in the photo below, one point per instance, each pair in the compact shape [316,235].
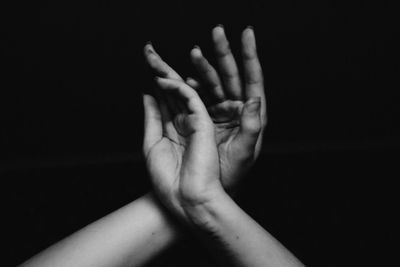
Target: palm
[174,170]
[165,157]
[164,160]
[226,117]
[179,145]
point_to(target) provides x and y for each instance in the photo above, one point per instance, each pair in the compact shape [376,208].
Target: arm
[114,240]
[217,219]
[235,237]
[129,229]
[143,225]
[190,185]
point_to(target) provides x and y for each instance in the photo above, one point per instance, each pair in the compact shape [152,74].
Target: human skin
[239,117]
[232,105]
[182,159]
[143,225]
[130,229]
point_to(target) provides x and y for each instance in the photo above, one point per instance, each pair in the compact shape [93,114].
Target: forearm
[223,225]
[130,236]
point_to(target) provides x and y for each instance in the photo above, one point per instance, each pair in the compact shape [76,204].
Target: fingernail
[250,27]
[150,47]
[197,50]
[221,27]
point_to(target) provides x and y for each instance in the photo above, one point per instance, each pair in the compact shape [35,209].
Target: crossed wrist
[203,213]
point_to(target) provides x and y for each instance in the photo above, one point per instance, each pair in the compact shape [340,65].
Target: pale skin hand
[238,111]
[182,159]
[132,238]
[238,119]
[137,232]
[179,147]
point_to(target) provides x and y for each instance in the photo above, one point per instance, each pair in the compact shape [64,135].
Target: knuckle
[253,80]
[249,54]
[224,51]
[231,74]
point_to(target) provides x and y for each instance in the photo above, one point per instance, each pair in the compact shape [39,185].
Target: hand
[179,147]
[238,112]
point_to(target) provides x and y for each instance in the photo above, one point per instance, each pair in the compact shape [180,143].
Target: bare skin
[192,152]
[238,111]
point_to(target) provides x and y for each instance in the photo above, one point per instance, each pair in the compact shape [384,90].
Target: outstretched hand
[238,111]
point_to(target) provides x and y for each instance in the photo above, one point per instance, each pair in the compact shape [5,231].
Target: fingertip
[146,96]
[150,105]
[158,79]
[196,52]
[218,32]
[248,33]
[219,28]
[148,99]
[166,83]
[189,80]
[148,48]
[251,123]
[192,83]
[249,29]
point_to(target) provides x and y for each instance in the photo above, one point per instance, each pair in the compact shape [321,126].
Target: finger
[197,87]
[152,123]
[227,64]
[208,74]
[166,113]
[187,94]
[160,67]
[167,99]
[254,82]
[250,125]
[193,83]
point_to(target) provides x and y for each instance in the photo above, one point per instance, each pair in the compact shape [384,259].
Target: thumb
[250,124]
[152,122]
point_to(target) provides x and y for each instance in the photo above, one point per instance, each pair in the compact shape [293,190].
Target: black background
[72,75]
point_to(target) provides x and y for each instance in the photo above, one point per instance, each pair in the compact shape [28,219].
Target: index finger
[185,93]
[161,68]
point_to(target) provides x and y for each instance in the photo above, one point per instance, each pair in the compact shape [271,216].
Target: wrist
[203,214]
[193,194]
